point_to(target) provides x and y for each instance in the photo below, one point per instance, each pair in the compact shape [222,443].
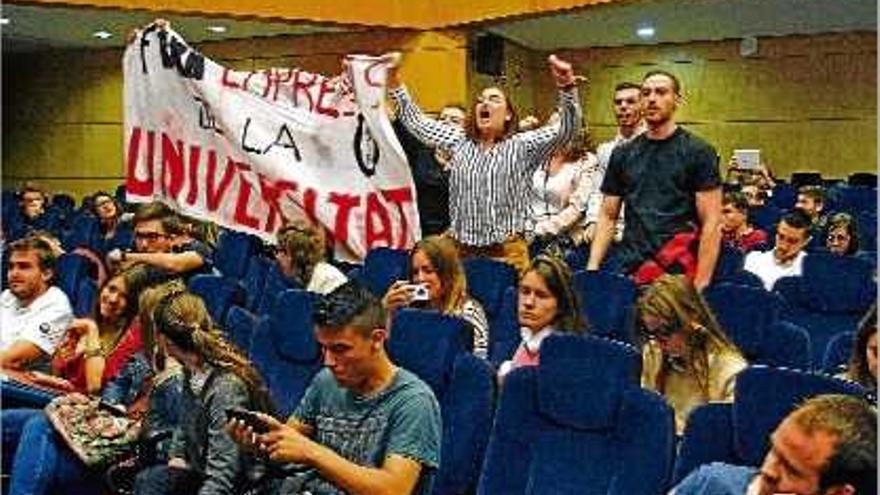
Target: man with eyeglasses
[786,259]
[162,241]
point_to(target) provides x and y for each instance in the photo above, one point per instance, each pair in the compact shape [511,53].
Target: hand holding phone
[248,418]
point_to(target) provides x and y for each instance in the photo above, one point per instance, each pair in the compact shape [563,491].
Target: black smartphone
[249,418]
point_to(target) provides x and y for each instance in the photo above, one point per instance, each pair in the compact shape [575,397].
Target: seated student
[862,367]
[43,462]
[786,259]
[203,458]
[32,212]
[687,357]
[364,425]
[162,242]
[827,446]
[95,349]
[546,305]
[842,235]
[811,200]
[735,228]
[434,263]
[34,314]
[301,256]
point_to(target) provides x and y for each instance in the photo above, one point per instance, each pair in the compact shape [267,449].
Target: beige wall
[810,103]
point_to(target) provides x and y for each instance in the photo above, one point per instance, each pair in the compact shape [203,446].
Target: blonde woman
[687,356]
[436,266]
[301,256]
[203,458]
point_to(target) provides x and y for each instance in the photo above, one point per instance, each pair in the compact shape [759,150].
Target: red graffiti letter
[213,195]
[375,208]
[399,197]
[172,164]
[244,198]
[226,81]
[195,152]
[323,91]
[271,193]
[344,203]
[301,85]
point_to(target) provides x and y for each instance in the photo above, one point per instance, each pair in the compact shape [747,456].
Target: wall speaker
[489,55]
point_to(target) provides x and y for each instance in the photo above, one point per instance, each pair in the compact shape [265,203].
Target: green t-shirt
[403,419]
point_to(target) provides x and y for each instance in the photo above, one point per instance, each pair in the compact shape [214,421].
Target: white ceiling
[611,24]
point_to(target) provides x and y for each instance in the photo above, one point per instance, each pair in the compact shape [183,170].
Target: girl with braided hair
[217,376]
[687,357]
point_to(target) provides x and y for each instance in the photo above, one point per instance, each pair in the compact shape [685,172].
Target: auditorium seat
[284,349]
[579,423]
[219,293]
[837,353]
[607,301]
[234,250]
[493,284]
[739,433]
[829,298]
[747,315]
[437,349]
[239,327]
[382,267]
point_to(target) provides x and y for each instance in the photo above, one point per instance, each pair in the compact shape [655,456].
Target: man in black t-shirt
[669,181]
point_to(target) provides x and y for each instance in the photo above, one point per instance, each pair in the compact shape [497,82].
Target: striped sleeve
[540,143]
[432,133]
[473,313]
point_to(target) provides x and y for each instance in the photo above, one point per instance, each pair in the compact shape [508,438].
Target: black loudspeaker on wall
[489,55]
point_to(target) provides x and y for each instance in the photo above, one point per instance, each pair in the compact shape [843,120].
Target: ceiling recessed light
[4,21]
[102,35]
[216,29]
[645,32]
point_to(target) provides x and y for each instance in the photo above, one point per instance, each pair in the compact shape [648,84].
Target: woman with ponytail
[217,376]
[687,356]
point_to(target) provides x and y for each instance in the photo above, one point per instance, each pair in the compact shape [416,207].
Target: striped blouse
[489,188]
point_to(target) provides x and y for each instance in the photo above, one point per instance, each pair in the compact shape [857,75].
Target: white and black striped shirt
[489,188]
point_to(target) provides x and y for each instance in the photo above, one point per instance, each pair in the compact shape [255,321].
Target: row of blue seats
[578,423]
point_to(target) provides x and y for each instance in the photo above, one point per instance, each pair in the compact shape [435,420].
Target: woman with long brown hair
[217,377]
[435,265]
[546,305]
[686,357]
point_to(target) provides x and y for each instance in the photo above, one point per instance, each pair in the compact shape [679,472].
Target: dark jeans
[163,479]
[41,460]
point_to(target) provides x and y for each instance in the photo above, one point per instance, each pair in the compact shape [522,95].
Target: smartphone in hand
[249,418]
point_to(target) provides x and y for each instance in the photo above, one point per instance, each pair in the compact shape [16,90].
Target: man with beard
[34,314]
[669,181]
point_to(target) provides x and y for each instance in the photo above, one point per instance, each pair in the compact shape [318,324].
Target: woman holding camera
[437,281]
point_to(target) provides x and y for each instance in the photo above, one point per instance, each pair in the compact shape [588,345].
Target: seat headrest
[765,396]
[581,380]
[838,283]
[293,328]
[426,343]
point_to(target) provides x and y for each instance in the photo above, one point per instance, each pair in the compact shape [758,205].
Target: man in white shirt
[628,114]
[34,315]
[786,259]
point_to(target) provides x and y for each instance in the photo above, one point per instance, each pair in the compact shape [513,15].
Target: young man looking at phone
[364,425]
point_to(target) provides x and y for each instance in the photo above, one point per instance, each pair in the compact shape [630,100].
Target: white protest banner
[249,149]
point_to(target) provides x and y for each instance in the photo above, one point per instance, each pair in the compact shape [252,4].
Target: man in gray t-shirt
[363,423]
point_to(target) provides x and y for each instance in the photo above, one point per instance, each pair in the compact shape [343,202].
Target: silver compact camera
[419,292]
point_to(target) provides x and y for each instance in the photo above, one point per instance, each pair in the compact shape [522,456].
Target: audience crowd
[101,305]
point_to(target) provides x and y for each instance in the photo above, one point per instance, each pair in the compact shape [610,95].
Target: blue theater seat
[607,301]
[739,433]
[493,284]
[579,424]
[284,349]
[219,293]
[436,348]
[382,267]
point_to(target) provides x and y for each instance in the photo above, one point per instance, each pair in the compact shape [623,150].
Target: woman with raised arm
[490,166]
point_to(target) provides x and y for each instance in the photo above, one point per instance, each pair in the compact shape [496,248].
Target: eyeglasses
[838,238]
[149,236]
